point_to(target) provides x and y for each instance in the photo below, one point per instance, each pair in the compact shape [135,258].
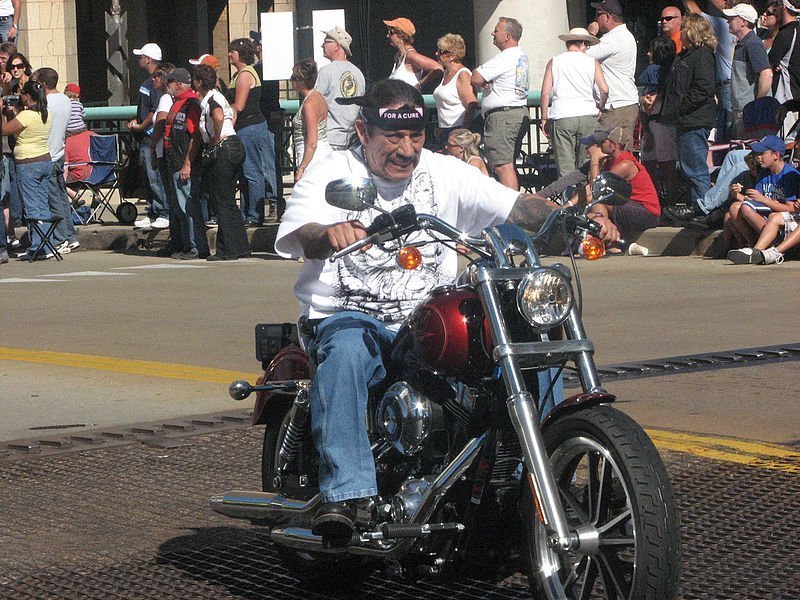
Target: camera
[12,100]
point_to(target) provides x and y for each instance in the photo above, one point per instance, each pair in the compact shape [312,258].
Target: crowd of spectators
[711,60]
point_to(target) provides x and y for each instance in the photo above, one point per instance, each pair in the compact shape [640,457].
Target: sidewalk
[662,241]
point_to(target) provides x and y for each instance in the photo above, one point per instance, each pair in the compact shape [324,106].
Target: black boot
[681,215]
[335,522]
[712,220]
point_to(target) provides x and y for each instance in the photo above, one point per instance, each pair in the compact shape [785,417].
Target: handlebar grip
[593,227]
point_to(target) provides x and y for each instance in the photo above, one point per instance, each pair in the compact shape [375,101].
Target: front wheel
[615,490]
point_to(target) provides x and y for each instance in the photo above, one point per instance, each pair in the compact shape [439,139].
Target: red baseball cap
[73,87]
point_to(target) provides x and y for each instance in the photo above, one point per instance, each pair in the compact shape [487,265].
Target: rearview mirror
[611,189]
[351,193]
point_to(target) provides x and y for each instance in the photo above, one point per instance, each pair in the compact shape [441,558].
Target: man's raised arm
[530,211]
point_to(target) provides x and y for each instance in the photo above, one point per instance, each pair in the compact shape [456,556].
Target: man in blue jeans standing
[157,209]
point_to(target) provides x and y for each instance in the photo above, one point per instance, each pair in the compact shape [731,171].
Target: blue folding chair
[103,181]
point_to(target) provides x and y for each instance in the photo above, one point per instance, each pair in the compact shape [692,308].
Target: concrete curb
[661,241]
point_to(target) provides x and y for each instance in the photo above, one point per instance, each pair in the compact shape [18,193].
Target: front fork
[526,419]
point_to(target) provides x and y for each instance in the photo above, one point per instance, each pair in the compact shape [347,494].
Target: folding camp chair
[102,179]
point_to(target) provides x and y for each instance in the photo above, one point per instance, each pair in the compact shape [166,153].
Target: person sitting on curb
[607,152]
[775,191]
[764,252]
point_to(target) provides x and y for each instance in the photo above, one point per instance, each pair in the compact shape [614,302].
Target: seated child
[76,118]
[776,191]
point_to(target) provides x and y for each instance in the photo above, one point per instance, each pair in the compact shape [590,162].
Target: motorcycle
[472,473]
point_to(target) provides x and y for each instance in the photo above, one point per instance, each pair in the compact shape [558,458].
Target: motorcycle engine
[405,418]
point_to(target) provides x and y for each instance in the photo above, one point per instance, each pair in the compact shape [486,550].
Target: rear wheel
[316,570]
[614,487]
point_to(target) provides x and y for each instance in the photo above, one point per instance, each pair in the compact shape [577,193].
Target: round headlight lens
[545,298]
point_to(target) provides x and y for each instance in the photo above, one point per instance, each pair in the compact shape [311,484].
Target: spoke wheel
[615,492]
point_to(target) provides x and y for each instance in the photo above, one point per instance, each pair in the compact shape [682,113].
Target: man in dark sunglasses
[670,24]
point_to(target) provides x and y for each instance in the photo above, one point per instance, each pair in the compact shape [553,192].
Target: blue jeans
[5,27]
[718,194]
[724,112]
[349,350]
[190,215]
[256,173]
[692,154]
[10,190]
[157,198]
[60,206]
[34,186]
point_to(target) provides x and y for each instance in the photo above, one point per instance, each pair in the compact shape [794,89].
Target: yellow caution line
[753,454]
[125,365]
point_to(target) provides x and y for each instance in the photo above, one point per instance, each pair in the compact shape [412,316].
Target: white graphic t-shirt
[508,74]
[372,282]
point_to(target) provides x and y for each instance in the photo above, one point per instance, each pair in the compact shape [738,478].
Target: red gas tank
[450,334]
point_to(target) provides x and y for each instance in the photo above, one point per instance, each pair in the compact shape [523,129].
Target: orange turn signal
[409,257]
[593,248]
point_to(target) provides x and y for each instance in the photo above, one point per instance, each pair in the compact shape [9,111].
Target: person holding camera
[32,157]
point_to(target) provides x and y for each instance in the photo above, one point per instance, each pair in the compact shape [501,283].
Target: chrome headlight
[544,298]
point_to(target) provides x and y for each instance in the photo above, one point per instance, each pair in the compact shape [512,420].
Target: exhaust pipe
[265,506]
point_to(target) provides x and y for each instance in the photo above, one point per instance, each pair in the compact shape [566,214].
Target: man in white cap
[616,53]
[339,79]
[751,73]
[157,208]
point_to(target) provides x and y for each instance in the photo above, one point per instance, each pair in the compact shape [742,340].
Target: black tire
[633,507]
[314,570]
[126,213]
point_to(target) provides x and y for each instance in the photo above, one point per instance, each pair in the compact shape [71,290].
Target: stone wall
[47,36]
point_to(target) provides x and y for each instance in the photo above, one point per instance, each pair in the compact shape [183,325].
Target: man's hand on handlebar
[608,232]
[341,235]
[320,241]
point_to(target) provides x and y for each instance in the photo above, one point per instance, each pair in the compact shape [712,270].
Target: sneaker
[74,245]
[770,256]
[3,257]
[742,256]
[28,255]
[12,242]
[143,223]
[191,255]
[63,247]
[160,223]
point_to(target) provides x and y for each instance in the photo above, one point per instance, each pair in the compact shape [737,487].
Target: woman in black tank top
[244,96]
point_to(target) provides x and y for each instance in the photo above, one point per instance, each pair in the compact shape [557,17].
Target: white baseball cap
[746,11]
[150,50]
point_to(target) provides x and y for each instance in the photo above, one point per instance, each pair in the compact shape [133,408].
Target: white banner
[277,44]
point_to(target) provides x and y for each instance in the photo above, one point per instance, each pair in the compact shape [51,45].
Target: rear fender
[290,363]
[575,403]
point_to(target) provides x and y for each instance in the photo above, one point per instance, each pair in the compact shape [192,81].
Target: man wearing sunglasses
[670,24]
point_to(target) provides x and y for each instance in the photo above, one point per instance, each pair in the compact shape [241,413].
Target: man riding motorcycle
[355,306]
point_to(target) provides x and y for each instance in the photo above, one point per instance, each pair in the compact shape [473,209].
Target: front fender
[290,363]
[576,402]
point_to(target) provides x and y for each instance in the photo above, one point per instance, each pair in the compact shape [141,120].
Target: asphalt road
[105,339]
